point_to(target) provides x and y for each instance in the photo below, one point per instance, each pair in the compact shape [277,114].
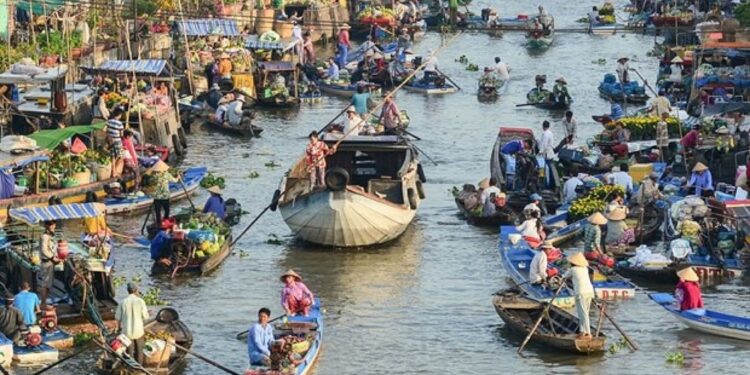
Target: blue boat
[430,88]
[704,320]
[565,233]
[517,260]
[615,91]
[34,355]
[58,339]
[310,326]
[133,203]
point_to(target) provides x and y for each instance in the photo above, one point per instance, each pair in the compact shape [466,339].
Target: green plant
[142,7]
[82,338]
[117,281]
[617,346]
[273,239]
[254,174]
[272,164]
[152,297]
[675,358]
[742,13]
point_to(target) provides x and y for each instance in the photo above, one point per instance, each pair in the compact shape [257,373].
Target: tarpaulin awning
[276,66]
[50,138]
[208,26]
[33,215]
[255,42]
[140,67]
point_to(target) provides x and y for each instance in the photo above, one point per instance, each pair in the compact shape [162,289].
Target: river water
[422,304]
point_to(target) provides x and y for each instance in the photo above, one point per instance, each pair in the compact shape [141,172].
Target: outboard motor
[32,336]
[233,210]
[48,321]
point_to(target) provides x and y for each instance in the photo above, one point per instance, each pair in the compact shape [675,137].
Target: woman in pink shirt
[343,44]
[131,157]
[296,298]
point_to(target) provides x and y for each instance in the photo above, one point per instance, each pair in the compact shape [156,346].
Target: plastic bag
[680,248]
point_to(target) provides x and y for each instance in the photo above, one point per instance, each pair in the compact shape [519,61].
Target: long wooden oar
[624,335]
[199,356]
[140,240]
[46,368]
[449,79]
[332,120]
[244,333]
[541,317]
[187,194]
[645,83]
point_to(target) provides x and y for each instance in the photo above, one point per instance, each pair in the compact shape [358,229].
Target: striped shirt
[617,112]
[592,238]
[114,132]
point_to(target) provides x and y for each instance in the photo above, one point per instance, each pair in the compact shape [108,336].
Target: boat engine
[233,211]
[48,320]
[32,336]
[119,344]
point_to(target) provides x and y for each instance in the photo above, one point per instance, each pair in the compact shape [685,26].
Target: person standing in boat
[593,18]
[502,70]
[48,255]
[315,159]
[701,180]
[130,315]
[343,44]
[508,152]
[570,125]
[259,339]
[11,320]
[662,136]
[390,117]
[688,290]
[308,50]
[592,233]
[532,230]
[623,70]
[360,99]
[583,291]
[28,303]
[430,67]
[161,179]
[296,298]
[114,140]
[547,150]
[649,190]
[215,203]
[569,188]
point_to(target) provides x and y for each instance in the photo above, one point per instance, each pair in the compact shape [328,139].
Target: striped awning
[254,42]
[140,67]
[34,215]
[208,26]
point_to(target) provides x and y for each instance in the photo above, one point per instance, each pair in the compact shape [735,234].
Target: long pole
[199,356]
[624,335]
[187,49]
[448,78]
[49,367]
[541,316]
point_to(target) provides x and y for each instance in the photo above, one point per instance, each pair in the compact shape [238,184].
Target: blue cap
[536,197]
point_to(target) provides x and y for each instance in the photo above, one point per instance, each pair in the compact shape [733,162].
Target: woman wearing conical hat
[592,233]
[618,232]
[701,180]
[296,298]
[688,290]
[583,291]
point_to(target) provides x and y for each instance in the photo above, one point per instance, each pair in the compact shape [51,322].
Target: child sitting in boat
[688,291]
[296,298]
[532,230]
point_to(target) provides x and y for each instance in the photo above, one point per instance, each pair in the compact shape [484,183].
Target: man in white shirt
[492,189]
[354,124]
[130,315]
[660,105]
[569,189]
[621,177]
[623,69]
[547,150]
[571,125]
[538,266]
[502,69]
[234,111]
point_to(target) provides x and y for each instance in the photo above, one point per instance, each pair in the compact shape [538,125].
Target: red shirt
[690,139]
[344,38]
[688,293]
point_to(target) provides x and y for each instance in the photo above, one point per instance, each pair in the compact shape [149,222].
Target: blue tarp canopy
[33,215]
[141,67]
[208,26]
[254,42]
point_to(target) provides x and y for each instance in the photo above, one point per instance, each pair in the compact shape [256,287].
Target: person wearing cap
[583,290]
[161,244]
[560,92]
[701,180]
[688,290]
[11,320]
[390,117]
[315,159]
[343,43]
[130,315]
[215,203]
[618,232]
[622,70]
[214,96]
[538,266]
[296,298]
[360,99]
[48,256]
[259,339]
[592,233]
[28,303]
[160,178]
[235,112]
[536,205]
[690,140]
[354,124]
[532,229]
[649,190]
[224,66]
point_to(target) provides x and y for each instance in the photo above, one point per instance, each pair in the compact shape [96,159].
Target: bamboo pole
[187,50]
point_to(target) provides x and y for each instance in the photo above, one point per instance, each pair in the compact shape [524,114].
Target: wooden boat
[534,182]
[244,130]
[708,321]
[542,100]
[490,89]
[558,329]
[346,91]
[709,271]
[262,80]
[565,233]
[310,328]
[431,87]
[519,22]
[373,188]
[132,204]
[67,295]
[537,39]
[34,355]
[165,358]
[605,28]
[632,98]
[510,218]
[517,260]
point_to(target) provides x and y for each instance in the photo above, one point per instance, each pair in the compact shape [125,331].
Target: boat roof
[208,26]
[139,67]
[276,66]
[48,75]
[515,133]
[9,160]
[50,138]
[385,142]
[283,45]
[34,215]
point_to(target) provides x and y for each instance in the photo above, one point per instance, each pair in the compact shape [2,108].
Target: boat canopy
[208,26]
[50,74]
[140,67]
[34,215]
[50,138]
[276,66]
[283,45]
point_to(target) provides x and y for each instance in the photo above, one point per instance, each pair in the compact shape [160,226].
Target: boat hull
[431,90]
[711,322]
[345,218]
[135,205]
[334,90]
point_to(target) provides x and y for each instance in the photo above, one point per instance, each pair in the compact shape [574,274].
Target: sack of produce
[700,211]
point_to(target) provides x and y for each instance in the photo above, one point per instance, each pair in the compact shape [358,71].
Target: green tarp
[40,8]
[49,139]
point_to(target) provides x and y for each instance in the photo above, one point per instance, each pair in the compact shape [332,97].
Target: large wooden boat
[372,192]
[708,321]
[133,204]
[709,270]
[165,358]
[558,329]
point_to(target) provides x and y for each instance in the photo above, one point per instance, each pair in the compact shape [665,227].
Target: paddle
[645,83]
[140,240]
[199,356]
[625,336]
[125,355]
[448,78]
[332,120]
[187,194]
[525,104]
[43,370]
[411,134]
[541,316]
[244,333]
[425,154]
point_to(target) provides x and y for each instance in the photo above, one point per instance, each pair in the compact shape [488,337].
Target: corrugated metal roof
[208,26]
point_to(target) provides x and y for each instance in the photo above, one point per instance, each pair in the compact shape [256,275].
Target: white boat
[372,192]
[708,321]
[430,88]
[605,28]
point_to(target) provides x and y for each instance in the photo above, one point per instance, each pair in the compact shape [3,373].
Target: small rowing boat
[490,87]
[543,99]
[160,355]
[431,87]
[629,92]
[517,261]
[134,203]
[605,28]
[245,129]
[307,332]
[507,217]
[704,320]
[346,90]
[540,39]
[558,328]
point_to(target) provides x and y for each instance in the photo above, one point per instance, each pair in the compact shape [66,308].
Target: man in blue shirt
[161,245]
[508,152]
[28,302]
[259,339]
[359,100]
[215,204]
